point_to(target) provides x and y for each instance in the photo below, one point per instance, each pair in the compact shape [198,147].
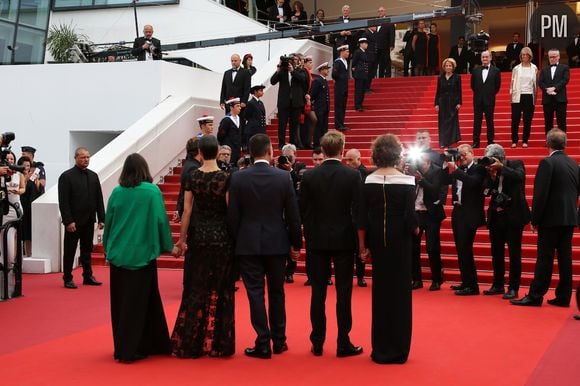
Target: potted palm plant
[61,38]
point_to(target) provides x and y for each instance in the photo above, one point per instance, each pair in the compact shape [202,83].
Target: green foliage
[60,39]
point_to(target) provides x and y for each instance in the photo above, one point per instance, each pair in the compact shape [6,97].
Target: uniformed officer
[360,73]
[205,125]
[320,100]
[340,76]
[255,113]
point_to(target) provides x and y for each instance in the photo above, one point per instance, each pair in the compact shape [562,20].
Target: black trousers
[431,228]
[502,232]
[283,118]
[372,74]
[559,109]
[526,108]
[478,111]
[552,239]
[270,324]
[384,63]
[320,270]
[84,234]
[360,86]
[321,126]
[464,237]
[137,316]
[340,109]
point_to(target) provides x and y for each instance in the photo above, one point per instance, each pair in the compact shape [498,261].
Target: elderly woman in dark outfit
[448,101]
[386,226]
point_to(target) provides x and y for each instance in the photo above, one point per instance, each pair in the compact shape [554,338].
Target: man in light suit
[265,222]
[554,215]
[235,84]
[485,84]
[553,80]
[330,195]
[147,47]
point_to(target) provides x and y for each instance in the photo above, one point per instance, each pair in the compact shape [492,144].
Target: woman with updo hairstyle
[205,320]
[386,227]
[448,101]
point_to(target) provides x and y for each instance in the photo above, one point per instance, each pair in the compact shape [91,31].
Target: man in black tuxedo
[512,52]
[429,212]
[147,47]
[320,100]
[573,51]
[340,76]
[79,200]
[235,84]
[280,14]
[330,195]
[468,215]
[553,80]
[485,84]
[345,37]
[507,214]
[385,38]
[459,53]
[255,113]
[265,222]
[299,86]
[554,215]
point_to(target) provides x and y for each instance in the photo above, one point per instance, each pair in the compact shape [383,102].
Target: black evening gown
[421,49]
[205,321]
[448,96]
[390,201]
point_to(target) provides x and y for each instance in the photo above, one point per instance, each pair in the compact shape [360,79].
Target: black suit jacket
[513,185]
[320,94]
[431,184]
[298,87]
[139,52]
[340,76]
[273,13]
[556,186]
[255,116]
[472,198]
[360,65]
[281,77]
[263,211]
[330,197]
[80,197]
[189,165]
[513,54]
[460,59]
[239,88]
[561,79]
[484,93]
[337,40]
[385,37]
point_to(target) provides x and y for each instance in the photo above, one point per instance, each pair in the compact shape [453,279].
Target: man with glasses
[466,178]
[553,80]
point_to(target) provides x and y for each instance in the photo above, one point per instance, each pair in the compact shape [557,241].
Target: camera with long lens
[498,199]
[450,154]
[285,61]
[5,140]
[486,161]
[281,161]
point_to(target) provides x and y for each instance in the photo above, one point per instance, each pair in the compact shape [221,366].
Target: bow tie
[485,67]
[553,65]
[234,69]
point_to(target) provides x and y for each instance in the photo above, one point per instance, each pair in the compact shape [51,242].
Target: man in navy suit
[330,195]
[340,76]
[553,81]
[264,218]
[554,215]
[485,84]
[147,47]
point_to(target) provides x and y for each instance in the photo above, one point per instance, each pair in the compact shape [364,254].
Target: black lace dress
[205,321]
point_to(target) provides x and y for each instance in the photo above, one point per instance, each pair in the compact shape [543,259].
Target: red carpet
[57,336]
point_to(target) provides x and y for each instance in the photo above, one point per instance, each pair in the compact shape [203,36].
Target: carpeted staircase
[404,105]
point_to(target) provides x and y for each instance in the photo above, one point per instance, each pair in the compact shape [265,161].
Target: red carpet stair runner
[404,105]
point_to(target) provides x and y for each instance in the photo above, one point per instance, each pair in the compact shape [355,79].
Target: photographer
[147,47]
[507,215]
[429,213]
[291,97]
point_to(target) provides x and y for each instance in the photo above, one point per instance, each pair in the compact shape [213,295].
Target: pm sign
[554,25]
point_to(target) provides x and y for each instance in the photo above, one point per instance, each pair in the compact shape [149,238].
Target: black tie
[486,67]
[553,65]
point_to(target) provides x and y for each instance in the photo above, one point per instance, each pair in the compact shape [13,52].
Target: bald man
[147,47]
[235,84]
